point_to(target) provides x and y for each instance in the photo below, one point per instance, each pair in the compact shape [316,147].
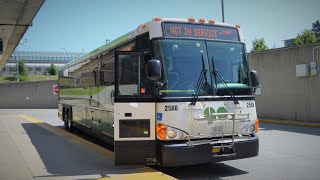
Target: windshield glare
[183,65]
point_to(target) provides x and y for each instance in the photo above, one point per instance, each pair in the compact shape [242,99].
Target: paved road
[286,152]
[37,151]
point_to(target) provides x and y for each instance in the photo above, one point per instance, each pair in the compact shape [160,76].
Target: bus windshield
[184,61]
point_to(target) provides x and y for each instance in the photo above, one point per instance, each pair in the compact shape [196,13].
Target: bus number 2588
[171,108]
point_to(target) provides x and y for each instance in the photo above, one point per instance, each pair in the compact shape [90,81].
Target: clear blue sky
[86,24]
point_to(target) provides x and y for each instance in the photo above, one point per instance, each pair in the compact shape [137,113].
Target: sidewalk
[288,122]
[33,149]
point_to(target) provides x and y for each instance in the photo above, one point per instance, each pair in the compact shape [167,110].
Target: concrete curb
[285,122]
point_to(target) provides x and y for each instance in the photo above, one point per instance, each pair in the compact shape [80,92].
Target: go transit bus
[172,92]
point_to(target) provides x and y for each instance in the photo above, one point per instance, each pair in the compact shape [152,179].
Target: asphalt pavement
[285,152]
[34,145]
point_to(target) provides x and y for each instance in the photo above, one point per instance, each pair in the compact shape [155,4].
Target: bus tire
[65,118]
[69,122]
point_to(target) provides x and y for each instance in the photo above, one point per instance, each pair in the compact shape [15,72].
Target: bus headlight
[165,132]
[176,134]
[244,130]
[252,127]
[171,133]
[249,128]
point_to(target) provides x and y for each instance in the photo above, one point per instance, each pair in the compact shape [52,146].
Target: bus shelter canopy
[15,18]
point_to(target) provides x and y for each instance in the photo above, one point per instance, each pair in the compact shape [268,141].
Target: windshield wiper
[219,78]
[203,76]
[214,74]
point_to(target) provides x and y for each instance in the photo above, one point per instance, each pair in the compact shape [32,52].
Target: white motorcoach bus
[172,92]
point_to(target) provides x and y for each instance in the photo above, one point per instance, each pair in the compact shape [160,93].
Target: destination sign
[200,31]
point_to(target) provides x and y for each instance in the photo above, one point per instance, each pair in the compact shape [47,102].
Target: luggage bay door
[134,112]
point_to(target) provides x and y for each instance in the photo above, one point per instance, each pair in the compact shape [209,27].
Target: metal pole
[66,52]
[18,77]
[222,6]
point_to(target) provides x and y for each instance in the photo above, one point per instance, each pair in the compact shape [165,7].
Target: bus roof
[154,24]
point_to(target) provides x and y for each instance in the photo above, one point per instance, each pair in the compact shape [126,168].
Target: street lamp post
[222,7]
[82,53]
[66,52]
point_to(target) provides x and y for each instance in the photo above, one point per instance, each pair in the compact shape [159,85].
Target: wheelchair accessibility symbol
[159,116]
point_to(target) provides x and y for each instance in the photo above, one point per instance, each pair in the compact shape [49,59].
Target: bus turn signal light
[257,125]
[157,19]
[143,25]
[202,20]
[238,26]
[192,19]
[212,21]
[162,131]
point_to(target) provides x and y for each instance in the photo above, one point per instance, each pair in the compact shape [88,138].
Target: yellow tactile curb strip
[146,175]
[138,176]
[297,123]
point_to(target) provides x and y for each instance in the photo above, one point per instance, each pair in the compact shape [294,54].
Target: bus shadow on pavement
[204,171]
[64,156]
[290,128]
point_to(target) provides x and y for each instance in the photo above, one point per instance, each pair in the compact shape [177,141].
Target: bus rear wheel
[68,124]
[65,119]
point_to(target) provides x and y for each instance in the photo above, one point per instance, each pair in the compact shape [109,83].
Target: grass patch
[29,78]
[42,77]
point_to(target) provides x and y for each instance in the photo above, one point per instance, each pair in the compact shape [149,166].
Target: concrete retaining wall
[28,95]
[285,96]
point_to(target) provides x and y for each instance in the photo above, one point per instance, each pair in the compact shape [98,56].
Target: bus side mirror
[154,69]
[254,78]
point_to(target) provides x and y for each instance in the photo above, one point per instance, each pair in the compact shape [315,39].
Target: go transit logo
[209,110]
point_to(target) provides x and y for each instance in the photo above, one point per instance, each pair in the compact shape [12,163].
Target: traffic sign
[55,89]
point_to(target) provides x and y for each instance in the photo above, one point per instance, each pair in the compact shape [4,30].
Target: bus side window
[87,79]
[142,43]
[96,77]
[107,72]
[131,74]
[128,76]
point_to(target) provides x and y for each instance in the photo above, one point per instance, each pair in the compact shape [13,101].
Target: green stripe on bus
[81,91]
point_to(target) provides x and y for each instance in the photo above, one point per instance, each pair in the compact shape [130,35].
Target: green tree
[23,70]
[12,69]
[52,70]
[305,38]
[316,29]
[259,45]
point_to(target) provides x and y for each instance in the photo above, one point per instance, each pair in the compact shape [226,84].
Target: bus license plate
[216,150]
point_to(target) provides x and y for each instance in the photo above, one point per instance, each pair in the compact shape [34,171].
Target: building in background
[38,62]
[289,42]
[290,82]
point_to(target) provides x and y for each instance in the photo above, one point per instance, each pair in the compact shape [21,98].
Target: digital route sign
[200,31]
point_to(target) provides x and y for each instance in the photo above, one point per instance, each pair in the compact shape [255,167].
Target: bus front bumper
[175,154]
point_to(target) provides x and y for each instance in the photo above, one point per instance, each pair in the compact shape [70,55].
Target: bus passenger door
[134,112]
